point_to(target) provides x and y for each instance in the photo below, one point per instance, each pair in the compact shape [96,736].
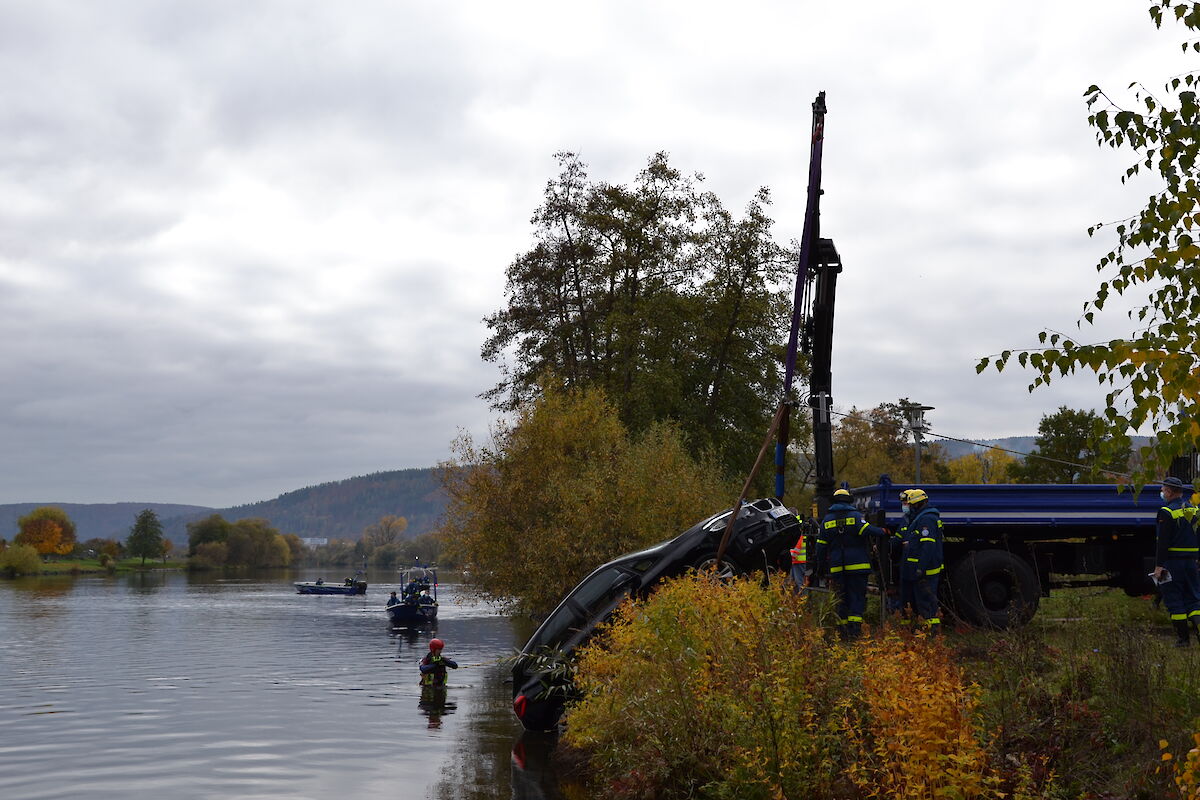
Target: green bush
[20,559]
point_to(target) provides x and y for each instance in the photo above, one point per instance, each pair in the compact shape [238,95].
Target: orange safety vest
[800,552]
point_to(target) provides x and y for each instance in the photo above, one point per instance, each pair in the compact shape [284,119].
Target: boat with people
[350,586]
[417,602]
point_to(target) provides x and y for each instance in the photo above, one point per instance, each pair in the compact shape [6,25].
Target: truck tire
[995,589]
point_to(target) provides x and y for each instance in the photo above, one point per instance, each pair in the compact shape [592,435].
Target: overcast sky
[247,247]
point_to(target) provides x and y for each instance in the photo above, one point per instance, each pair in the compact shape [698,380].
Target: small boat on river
[355,585]
[417,603]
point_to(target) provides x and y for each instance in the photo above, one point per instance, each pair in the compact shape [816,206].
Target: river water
[177,685]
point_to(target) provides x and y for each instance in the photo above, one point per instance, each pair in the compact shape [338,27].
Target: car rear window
[600,586]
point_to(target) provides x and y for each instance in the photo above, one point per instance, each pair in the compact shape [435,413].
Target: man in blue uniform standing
[902,601]
[922,565]
[842,552]
[1175,551]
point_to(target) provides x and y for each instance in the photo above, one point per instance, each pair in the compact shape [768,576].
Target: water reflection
[533,776]
[168,684]
[147,582]
[45,587]
[434,705]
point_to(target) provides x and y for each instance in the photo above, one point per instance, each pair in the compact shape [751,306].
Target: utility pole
[915,413]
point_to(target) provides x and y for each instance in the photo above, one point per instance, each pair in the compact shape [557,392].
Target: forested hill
[337,510]
[341,509]
[96,520]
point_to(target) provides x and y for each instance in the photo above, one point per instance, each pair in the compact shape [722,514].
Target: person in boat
[393,600]
[320,581]
[349,581]
[433,665]
[411,589]
[424,599]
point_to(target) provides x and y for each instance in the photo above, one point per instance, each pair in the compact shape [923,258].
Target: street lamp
[917,424]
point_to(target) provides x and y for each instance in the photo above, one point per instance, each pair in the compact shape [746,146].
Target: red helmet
[436,644]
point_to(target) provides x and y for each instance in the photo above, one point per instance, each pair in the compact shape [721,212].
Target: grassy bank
[1093,684]
[80,566]
[708,690]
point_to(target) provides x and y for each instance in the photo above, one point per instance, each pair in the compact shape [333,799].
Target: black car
[764,532]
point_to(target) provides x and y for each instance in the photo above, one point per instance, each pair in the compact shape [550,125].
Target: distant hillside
[337,510]
[96,520]
[341,509]
[1018,444]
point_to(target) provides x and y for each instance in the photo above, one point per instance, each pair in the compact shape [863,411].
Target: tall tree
[1071,448]
[385,531]
[212,529]
[868,444]
[145,538]
[48,530]
[1153,375]
[255,543]
[563,489]
[988,466]
[655,294]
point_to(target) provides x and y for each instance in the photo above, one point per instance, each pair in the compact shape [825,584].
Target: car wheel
[707,562]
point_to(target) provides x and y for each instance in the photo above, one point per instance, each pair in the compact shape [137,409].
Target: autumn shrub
[915,730]
[563,488]
[735,690]
[20,559]
[1184,773]
[209,555]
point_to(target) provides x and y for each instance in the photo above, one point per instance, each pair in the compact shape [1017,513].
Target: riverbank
[1083,702]
[93,567]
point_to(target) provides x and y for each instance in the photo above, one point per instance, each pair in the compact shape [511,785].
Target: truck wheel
[995,589]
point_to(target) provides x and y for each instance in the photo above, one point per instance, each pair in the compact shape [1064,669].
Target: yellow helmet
[917,496]
[904,495]
[842,493]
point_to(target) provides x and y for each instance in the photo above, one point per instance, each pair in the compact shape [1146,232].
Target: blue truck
[1007,545]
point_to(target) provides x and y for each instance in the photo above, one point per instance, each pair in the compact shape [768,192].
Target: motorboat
[417,603]
[355,585]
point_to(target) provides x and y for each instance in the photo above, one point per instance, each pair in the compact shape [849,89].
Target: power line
[901,427]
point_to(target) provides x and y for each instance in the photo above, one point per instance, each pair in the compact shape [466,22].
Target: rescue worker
[1175,569]
[842,552]
[800,558]
[923,564]
[433,665]
[393,600]
[902,601]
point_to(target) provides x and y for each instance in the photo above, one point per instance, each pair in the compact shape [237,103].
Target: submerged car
[762,535]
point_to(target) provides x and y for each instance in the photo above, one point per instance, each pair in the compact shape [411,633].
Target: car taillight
[520,703]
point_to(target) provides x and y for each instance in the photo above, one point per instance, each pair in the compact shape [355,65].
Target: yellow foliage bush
[733,690]
[20,559]
[1186,773]
[914,730]
[564,489]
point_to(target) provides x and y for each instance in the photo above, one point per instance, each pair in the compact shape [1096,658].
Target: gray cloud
[247,247]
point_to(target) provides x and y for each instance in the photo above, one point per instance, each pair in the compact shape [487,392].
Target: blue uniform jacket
[900,538]
[1175,533]
[842,539]
[923,553]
